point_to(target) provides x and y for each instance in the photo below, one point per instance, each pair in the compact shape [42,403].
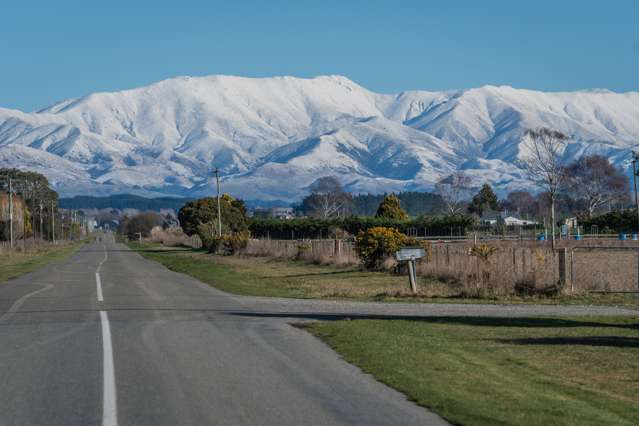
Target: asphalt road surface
[110,338]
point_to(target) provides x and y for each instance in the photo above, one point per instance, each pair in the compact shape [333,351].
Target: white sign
[410,253]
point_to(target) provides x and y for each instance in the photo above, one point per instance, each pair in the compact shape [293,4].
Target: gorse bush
[374,245]
[227,244]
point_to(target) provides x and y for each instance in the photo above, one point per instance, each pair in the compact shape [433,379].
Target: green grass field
[488,371]
[16,264]
[261,276]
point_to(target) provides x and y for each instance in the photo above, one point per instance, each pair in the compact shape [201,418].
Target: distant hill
[273,137]
[123,201]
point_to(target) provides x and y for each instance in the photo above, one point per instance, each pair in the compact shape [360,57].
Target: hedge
[615,221]
[324,228]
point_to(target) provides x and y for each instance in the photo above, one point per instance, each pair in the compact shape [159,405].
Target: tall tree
[521,202]
[484,200]
[200,212]
[454,191]
[41,201]
[596,182]
[327,199]
[390,208]
[543,162]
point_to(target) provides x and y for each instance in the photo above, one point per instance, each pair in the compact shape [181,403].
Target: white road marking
[98,284]
[14,308]
[109,402]
[98,281]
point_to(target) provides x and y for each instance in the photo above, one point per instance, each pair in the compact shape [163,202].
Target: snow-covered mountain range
[272,137]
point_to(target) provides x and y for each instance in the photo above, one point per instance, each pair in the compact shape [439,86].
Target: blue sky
[54,50]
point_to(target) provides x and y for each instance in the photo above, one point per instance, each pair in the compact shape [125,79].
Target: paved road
[110,338]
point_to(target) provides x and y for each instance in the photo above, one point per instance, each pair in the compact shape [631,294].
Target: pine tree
[484,200]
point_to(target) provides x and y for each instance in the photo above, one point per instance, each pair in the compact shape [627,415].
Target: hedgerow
[353,225]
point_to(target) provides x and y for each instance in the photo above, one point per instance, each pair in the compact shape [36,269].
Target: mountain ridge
[272,136]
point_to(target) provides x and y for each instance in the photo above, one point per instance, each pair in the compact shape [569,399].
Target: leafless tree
[327,198]
[596,182]
[454,190]
[543,162]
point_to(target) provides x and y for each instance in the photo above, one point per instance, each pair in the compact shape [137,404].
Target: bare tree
[454,190]
[596,182]
[327,198]
[543,162]
[521,202]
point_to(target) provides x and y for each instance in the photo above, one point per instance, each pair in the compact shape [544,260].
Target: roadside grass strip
[263,276]
[491,371]
[16,264]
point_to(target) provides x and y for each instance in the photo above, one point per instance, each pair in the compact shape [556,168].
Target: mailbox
[410,254]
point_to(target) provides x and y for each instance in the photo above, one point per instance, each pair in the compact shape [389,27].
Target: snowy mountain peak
[272,137]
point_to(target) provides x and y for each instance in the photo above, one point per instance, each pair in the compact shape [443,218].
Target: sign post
[410,254]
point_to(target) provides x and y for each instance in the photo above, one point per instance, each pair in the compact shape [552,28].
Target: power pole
[219,209]
[24,227]
[41,228]
[52,223]
[635,158]
[10,213]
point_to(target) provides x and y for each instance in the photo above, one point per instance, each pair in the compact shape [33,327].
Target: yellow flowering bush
[375,244]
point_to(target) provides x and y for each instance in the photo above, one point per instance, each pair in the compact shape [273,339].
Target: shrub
[482,251]
[171,237]
[228,244]
[376,244]
[303,249]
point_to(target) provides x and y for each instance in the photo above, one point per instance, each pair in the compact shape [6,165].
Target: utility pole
[24,228]
[635,158]
[9,180]
[41,228]
[52,223]
[219,209]
[10,213]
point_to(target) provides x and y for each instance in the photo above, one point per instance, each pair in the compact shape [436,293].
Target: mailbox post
[410,255]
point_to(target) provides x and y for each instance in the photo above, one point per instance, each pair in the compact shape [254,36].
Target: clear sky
[52,50]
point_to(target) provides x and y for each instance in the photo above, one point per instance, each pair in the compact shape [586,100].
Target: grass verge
[15,264]
[489,371]
[262,276]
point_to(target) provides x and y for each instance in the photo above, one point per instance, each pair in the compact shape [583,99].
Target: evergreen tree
[483,201]
[390,208]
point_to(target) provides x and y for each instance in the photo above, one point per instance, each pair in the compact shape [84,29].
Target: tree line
[36,212]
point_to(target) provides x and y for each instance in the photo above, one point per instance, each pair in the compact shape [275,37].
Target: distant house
[275,212]
[492,218]
[282,212]
[513,221]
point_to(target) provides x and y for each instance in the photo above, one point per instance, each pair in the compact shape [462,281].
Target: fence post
[564,276]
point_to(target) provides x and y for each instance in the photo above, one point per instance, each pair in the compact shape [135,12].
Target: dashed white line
[109,402]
